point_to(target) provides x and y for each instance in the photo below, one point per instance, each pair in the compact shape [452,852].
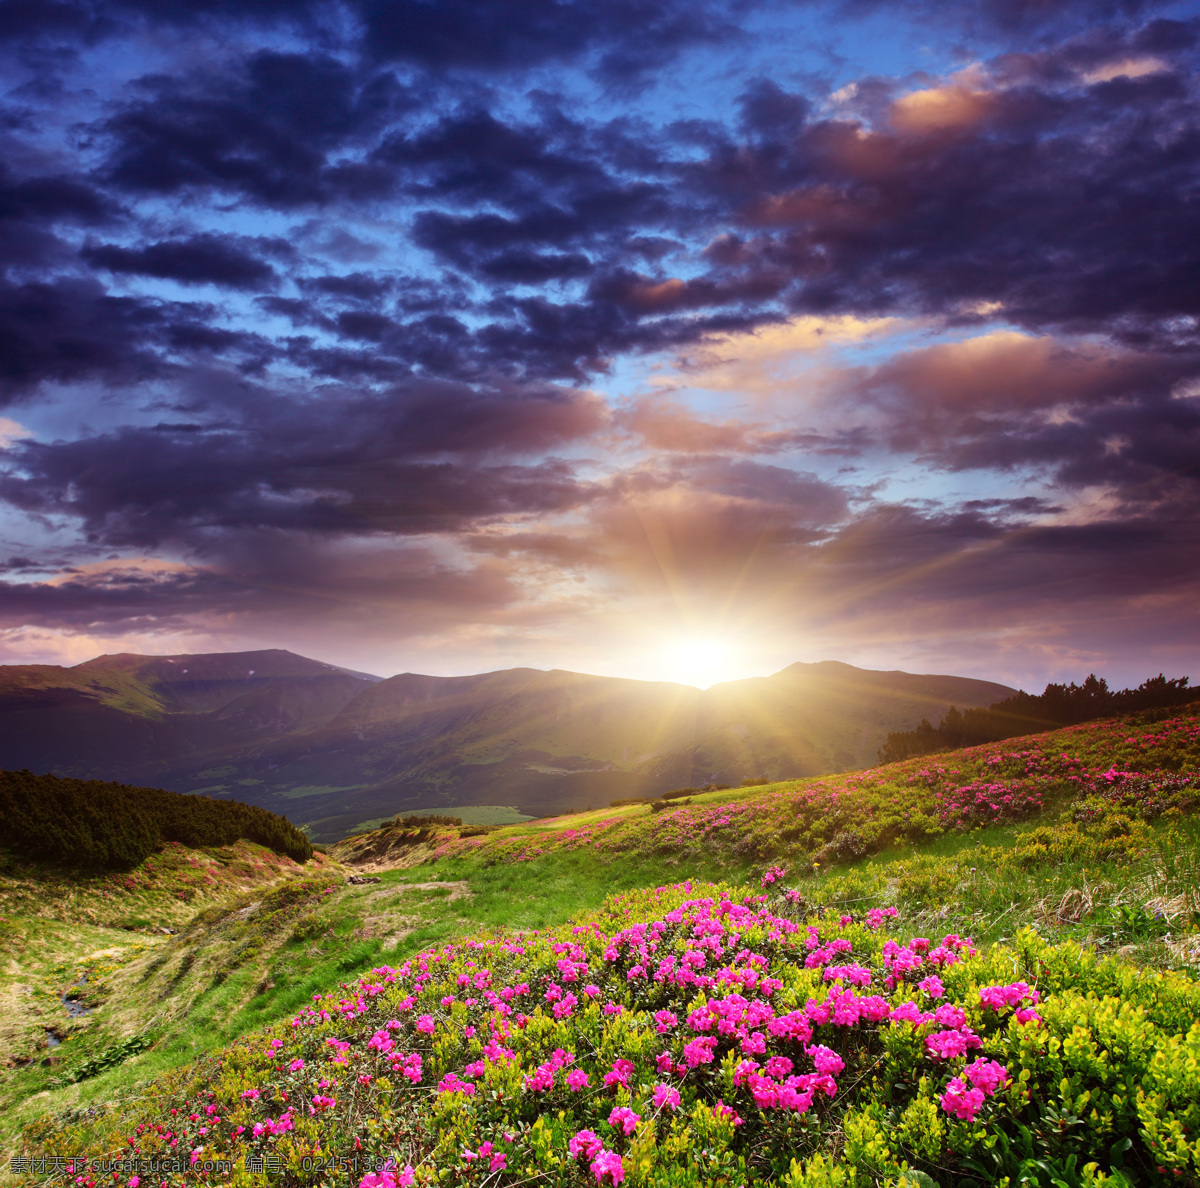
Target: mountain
[332,748]
[130,718]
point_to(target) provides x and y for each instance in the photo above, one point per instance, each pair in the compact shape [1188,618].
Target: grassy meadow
[1071,860]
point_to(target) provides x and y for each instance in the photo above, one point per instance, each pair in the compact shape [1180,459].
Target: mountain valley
[333,749]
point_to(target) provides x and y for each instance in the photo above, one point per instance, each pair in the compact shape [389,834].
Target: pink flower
[296,1065]
[608,1163]
[577,1079]
[909,1012]
[932,986]
[388,1179]
[856,975]
[827,1061]
[961,1101]
[541,1080]
[584,1143]
[986,1075]
[619,1074]
[451,1083]
[666,1097]
[948,1044]
[699,1051]
[426,1024]
[624,1118]
[1014,994]
[948,1015]
[755,1044]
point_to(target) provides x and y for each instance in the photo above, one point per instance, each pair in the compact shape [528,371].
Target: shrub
[307,927]
[702,1036]
[97,825]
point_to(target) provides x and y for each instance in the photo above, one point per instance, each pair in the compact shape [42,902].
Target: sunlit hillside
[948,971]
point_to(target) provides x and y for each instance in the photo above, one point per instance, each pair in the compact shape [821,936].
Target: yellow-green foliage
[1119,773]
[1101,1084]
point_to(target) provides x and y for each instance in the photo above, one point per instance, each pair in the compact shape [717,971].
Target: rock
[359,880]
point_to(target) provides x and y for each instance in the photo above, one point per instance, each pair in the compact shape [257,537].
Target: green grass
[313,789]
[266,973]
[954,884]
[468,814]
[358,928]
[1127,887]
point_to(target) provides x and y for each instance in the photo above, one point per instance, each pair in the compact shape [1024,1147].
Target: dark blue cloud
[199,259]
[265,128]
[437,224]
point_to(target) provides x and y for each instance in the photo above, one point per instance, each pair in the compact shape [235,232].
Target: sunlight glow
[701,661]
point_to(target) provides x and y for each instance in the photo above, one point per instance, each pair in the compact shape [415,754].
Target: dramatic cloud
[530,333]
[201,259]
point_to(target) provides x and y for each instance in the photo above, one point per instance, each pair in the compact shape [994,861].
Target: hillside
[86,825]
[135,718]
[333,749]
[1110,776]
[814,1037]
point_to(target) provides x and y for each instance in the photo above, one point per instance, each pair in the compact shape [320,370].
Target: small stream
[75,1009]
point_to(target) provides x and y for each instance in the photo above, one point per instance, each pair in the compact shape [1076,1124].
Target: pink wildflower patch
[948,1044]
[608,1164]
[452,1083]
[986,1075]
[584,1143]
[826,1060]
[962,1101]
[619,1074]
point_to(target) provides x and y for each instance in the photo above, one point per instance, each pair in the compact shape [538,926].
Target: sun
[700,660]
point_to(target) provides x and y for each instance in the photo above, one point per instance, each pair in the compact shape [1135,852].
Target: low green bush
[706,1036]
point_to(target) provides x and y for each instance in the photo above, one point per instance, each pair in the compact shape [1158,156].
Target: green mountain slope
[1089,833]
[333,749]
[140,718]
[556,741]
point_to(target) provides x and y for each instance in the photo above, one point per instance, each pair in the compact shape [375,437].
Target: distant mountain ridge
[332,747]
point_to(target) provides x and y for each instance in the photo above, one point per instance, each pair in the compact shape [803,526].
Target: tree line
[98,825]
[1030,713]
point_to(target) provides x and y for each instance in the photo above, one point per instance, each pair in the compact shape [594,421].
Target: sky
[667,339]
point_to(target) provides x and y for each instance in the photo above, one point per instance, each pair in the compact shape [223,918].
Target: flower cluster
[965,1094]
[700,1022]
[840,818]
